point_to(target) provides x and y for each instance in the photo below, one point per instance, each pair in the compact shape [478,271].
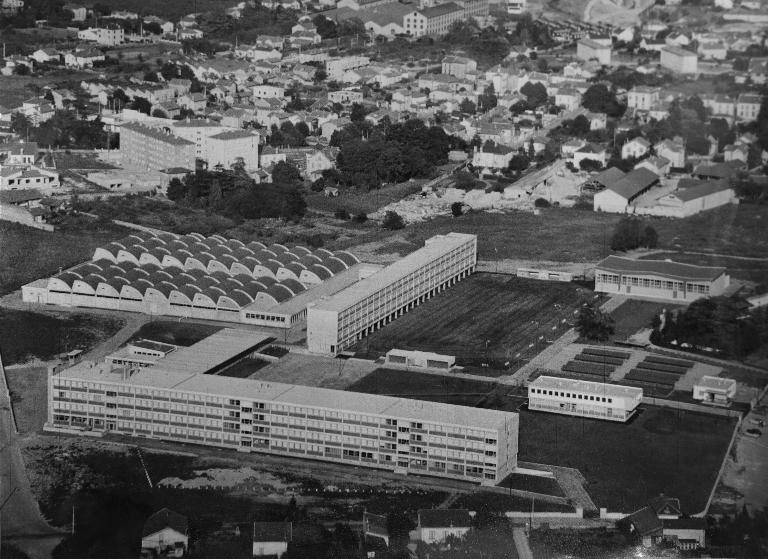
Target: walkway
[521,543]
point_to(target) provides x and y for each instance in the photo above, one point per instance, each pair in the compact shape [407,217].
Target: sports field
[487,318]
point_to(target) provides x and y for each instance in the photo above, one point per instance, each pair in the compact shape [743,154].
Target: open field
[175,332]
[27,254]
[16,89]
[498,502]
[315,370]
[356,201]
[660,451]
[28,387]
[574,235]
[419,386]
[25,335]
[484,318]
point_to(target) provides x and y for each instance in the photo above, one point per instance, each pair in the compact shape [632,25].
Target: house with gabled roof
[271,539]
[619,194]
[437,525]
[166,532]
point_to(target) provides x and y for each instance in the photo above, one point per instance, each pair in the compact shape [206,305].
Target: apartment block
[150,149]
[337,322]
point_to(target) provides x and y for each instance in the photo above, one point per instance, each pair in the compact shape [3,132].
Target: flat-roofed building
[421,359]
[679,60]
[659,279]
[339,321]
[171,401]
[146,148]
[715,390]
[582,398]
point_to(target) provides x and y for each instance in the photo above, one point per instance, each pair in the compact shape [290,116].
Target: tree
[535,93]
[630,234]
[590,165]
[488,99]
[593,324]
[325,27]
[650,237]
[357,114]
[285,174]
[142,105]
[392,221]
[465,180]
[519,162]
[541,203]
[176,190]
[457,209]
[599,99]
[361,217]
[467,106]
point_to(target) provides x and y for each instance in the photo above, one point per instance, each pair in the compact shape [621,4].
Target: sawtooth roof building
[198,277]
[659,279]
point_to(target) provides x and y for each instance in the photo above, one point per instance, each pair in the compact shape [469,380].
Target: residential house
[83,58]
[106,36]
[180,86]
[252,52]
[266,91]
[79,13]
[592,152]
[165,532]
[435,526]
[492,157]
[748,106]
[22,198]
[677,39]
[687,534]
[758,70]
[271,539]
[195,102]
[345,96]
[233,147]
[567,149]
[679,60]
[736,153]
[635,148]
[18,153]
[458,66]
[715,50]
[622,190]
[642,97]
[37,110]
[568,99]
[657,164]
[644,526]
[13,177]
[673,151]
[46,55]
[236,118]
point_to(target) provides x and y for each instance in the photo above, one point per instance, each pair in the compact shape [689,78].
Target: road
[21,520]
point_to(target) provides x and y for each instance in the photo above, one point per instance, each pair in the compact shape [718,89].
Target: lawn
[499,502]
[28,254]
[536,484]
[421,386]
[174,332]
[661,451]
[25,335]
[633,315]
[28,387]
[485,318]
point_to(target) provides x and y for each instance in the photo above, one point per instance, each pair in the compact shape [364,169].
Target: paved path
[521,543]
[21,518]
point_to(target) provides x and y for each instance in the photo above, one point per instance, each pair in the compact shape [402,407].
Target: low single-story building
[715,390]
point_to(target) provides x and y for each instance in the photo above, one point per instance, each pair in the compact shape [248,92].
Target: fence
[687,406]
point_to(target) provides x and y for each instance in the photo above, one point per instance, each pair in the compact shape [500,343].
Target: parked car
[757,421]
[754,433]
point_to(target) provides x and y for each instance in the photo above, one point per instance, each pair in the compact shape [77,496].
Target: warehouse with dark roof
[659,279]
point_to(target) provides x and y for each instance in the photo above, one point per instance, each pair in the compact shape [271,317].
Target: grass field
[25,335]
[173,332]
[484,318]
[498,502]
[546,485]
[356,201]
[574,235]
[434,388]
[633,315]
[28,387]
[28,254]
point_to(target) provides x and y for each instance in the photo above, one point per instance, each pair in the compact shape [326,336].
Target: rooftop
[436,246]
[444,518]
[156,134]
[716,383]
[664,268]
[634,182]
[587,387]
[677,51]
[441,10]
[165,518]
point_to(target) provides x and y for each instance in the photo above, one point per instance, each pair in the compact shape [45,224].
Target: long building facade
[581,398]
[337,322]
[396,434]
[149,149]
[659,279]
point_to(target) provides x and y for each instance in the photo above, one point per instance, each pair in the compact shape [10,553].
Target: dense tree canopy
[599,99]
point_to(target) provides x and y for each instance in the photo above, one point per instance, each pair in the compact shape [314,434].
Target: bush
[630,234]
[341,213]
[393,221]
[457,209]
[541,203]
[594,324]
[361,217]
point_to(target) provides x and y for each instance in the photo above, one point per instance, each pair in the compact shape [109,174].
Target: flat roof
[209,352]
[586,386]
[665,268]
[326,288]
[435,247]
[257,390]
[716,383]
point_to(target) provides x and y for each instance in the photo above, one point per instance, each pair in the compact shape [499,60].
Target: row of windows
[653,283]
[571,395]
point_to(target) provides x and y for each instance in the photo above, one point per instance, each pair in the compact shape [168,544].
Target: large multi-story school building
[337,322]
[174,399]
[582,398]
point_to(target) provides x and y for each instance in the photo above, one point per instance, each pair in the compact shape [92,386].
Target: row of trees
[65,130]
[234,194]
[631,233]
[714,324]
